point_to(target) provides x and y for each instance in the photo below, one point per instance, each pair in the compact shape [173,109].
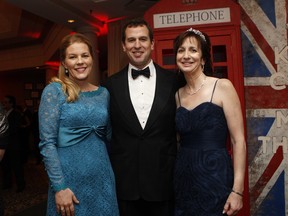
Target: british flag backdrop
[265,61]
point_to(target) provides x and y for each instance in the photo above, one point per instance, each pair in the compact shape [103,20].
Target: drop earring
[66,71]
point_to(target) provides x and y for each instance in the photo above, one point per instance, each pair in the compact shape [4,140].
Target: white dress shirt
[142,92]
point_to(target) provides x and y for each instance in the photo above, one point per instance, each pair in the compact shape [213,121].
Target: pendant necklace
[194,92]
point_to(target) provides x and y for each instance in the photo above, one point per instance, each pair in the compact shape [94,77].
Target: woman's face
[189,56]
[78,61]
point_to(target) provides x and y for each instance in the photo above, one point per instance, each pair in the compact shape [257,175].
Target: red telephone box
[221,21]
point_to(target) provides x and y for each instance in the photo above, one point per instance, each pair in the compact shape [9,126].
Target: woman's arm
[233,113]
[49,115]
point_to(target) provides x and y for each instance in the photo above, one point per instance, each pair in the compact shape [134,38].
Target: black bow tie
[145,72]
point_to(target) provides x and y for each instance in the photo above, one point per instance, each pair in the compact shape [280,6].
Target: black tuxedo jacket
[14,120]
[143,159]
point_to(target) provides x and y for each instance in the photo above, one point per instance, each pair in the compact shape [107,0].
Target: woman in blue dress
[207,181]
[74,127]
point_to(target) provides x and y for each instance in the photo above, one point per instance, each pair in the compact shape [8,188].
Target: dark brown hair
[205,47]
[135,23]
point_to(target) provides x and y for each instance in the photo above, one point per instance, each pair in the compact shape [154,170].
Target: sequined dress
[203,170]
[74,152]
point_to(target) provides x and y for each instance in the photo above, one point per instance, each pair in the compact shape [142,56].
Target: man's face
[138,46]
[6,104]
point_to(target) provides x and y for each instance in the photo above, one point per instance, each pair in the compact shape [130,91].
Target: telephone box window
[219,53]
[168,57]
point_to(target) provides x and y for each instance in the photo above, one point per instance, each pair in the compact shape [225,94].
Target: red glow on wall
[104,29]
[52,63]
[34,35]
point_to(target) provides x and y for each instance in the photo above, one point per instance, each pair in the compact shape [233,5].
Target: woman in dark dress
[207,181]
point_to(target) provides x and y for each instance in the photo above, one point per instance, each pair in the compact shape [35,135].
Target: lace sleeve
[49,114]
[109,128]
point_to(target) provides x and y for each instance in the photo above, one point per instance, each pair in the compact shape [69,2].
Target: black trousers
[12,164]
[145,208]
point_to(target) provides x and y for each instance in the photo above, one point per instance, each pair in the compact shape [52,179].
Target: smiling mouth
[187,63]
[82,69]
[137,52]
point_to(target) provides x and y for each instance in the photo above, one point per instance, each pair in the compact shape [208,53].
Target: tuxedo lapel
[162,95]
[122,97]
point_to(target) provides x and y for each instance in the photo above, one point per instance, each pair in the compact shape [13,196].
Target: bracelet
[238,193]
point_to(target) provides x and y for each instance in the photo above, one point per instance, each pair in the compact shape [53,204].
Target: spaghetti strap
[179,98]
[213,90]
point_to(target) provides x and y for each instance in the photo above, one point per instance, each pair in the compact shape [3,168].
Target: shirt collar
[150,65]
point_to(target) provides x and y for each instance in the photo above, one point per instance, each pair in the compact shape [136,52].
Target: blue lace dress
[73,147]
[203,170]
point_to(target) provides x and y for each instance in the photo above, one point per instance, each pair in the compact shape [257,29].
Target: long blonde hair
[70,88]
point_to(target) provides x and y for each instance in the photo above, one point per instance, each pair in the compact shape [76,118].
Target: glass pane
[168,57]
[219,53]
[220,72]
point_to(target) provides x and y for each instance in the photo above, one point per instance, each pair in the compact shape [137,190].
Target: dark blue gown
[203,170]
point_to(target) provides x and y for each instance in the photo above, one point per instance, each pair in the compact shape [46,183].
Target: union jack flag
[265,63]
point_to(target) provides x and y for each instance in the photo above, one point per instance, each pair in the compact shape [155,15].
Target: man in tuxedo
[12,162]
[143,145]
[3,144]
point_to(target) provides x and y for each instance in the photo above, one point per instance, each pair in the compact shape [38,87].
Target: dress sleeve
[108,121]
[49,115]
[109,128]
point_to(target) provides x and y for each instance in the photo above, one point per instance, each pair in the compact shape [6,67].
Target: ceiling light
[71,21]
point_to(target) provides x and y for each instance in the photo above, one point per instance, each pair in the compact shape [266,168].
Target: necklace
[194,92]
